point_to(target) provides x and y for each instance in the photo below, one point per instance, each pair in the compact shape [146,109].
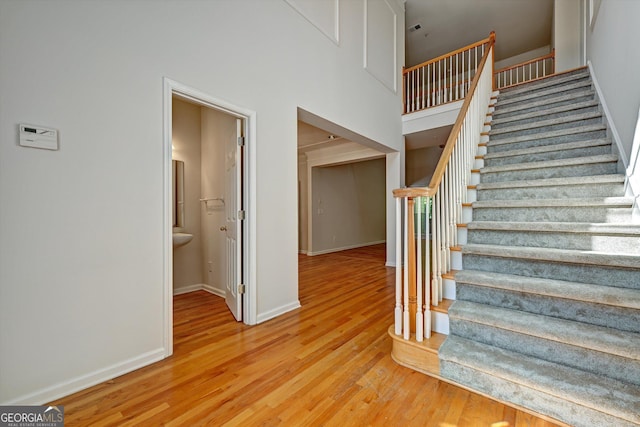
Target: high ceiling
[446,25]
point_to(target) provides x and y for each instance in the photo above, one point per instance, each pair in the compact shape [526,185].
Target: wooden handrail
[491,40]
[531,61]
[443,199]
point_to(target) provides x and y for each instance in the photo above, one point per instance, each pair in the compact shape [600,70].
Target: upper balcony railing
[444,79]
[525,72]
[447,78]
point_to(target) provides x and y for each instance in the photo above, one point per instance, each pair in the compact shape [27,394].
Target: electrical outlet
[210,263]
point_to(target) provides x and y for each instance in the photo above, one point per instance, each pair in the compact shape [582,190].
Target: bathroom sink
[180,239]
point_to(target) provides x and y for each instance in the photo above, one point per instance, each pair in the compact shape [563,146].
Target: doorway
[219,208]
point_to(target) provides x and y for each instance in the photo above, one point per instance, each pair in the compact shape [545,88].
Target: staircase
[547,314]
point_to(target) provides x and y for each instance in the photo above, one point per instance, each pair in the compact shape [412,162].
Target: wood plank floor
[327,363]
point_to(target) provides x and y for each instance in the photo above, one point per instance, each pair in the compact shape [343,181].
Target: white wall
[187,259]
[567,34]
[81,247]
[217,129]
[612,51]
[348,205]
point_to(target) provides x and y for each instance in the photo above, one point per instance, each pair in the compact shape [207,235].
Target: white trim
[345,248]
[188,289]
[199,287]
[335,37]
[167,223]
[393,86]
[82,382]
[608,117]
[215,291]
[271,314]
[171,88]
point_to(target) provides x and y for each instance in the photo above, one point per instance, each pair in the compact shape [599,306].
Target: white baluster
[398,310]
[419,283]
[405,291]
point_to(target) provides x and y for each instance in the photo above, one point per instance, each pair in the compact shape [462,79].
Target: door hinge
[241,215]
[241,141]
[241,288]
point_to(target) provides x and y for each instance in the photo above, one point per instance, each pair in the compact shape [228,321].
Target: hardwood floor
[327,363]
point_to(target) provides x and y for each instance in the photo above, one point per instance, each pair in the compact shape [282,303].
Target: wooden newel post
[411,235]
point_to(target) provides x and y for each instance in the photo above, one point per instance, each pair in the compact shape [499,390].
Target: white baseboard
[263,317]
[344,248]
[215,291]
[74,385]
[302,251]
[187,289]
[199,287]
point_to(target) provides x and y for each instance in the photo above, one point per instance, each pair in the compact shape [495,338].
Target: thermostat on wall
[38,137]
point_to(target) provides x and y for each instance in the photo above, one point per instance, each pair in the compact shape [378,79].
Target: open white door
[234,215]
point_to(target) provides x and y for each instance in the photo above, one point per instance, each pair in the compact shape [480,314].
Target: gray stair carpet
[547,315]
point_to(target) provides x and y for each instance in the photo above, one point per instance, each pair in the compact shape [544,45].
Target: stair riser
[527,130]
[554,214]
[600,363]
[554,172]
[551,155]
[575,241]
[623,319]
[497,124]
[553,192]
[540,142]
[546,269]
[537,401]
[532,107]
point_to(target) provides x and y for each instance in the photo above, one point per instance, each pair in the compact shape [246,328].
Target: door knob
[223,228]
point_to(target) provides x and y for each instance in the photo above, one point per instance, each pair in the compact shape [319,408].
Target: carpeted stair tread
[547,112]
[584,292]
[552,182]
[609,202]
[578,334]
[546,135]
[545,123]
[602,237]
[507,99]
[549,148]
[565,227]
[604,158]
[533,106]
[627,261]
[565,384]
